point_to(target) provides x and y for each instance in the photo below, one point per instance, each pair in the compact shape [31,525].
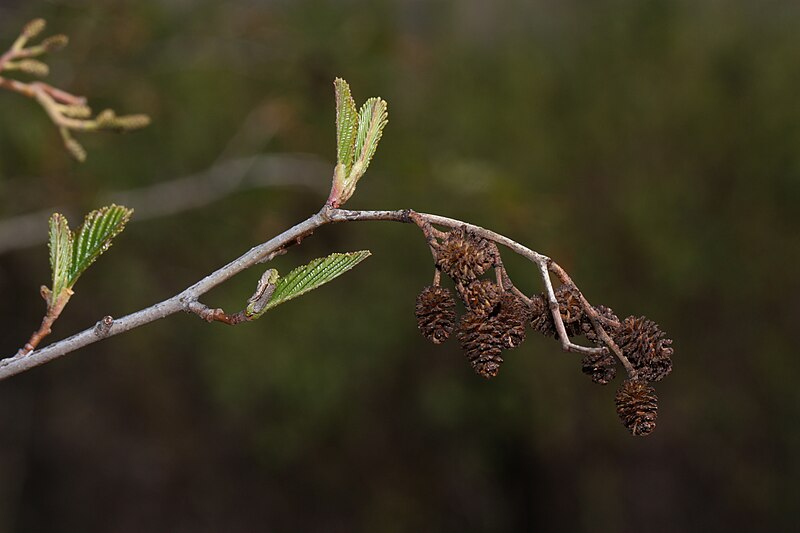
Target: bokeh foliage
[652,148]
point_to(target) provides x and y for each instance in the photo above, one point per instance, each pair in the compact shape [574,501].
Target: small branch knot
[103,326]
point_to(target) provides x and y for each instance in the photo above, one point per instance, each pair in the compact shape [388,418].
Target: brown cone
[600,367]
[484,336]
[464,256]
[480,296]
[588,329]
[637,407]
[481,343]
[511,320]
[436,313]
[643,343]
[542,320]
[569,305]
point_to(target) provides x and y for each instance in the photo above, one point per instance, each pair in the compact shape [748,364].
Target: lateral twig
[67,111]
[596,320]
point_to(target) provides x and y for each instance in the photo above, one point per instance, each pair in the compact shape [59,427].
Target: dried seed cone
[542,320]
[643,343]
[588,329]
[480,296]
[464,256]
[637,407]
[482,343]
[511,320]
[569,304]
[436,315]
[600,367]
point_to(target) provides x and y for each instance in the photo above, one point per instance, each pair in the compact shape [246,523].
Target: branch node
[103,326]
[215,315]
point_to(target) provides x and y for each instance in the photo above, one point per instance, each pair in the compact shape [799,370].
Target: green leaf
[94,237]
[346,125]
[372,118]
[61,246]
[308,277]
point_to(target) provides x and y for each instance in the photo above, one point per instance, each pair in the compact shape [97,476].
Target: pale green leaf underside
[372,118]
[94,237]
[61,246]
[315,274]
[346,125]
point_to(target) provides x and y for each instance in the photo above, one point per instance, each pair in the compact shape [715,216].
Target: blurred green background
[652,148]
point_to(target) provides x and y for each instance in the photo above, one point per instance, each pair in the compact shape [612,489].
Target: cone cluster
[495,320]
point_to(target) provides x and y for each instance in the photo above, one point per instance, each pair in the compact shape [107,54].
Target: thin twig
[430,235]
[594,318]
[67,111]
[36,337]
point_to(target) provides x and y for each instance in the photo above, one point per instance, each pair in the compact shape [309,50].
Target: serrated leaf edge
[310,274]
[95,235]
[346,125]
[372,119]
[61,246]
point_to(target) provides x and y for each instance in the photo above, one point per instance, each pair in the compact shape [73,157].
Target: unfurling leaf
[308,277]
[264,289]
[94,237]
[357,137]
[71,253]
[372,118]
[60,257]
[346,125]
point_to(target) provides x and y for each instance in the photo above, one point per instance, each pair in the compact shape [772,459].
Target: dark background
[652,148]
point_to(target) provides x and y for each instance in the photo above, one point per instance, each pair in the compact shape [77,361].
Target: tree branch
[188,300]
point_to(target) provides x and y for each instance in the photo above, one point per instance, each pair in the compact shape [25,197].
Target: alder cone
[643,343]
[542,320]
[482,343]
[436,315]
[511,320]
[637,407]
[569,305]
[465,256]
[588,329]
[484,336]
[480,296]
[601,367]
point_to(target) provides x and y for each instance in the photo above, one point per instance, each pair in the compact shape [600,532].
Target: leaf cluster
[357,138]
[71,253]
